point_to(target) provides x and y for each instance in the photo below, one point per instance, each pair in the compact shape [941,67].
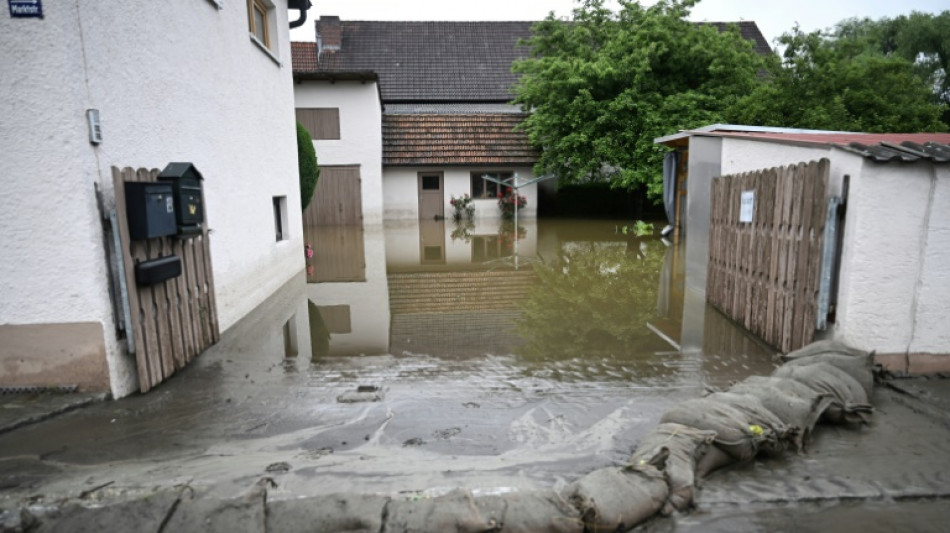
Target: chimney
[329,34]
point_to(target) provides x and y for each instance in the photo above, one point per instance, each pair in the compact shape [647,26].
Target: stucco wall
[361,134]
[178,81]
[895,284]
[743,155]
[401,191]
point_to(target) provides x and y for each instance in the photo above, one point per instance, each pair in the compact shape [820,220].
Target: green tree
[921,38]
[843,80]
[602,87]
[307,165]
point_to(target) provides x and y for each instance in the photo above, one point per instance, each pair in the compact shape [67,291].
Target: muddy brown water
[416,357]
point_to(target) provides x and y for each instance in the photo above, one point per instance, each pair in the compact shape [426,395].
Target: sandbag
[792,402]
[826,346]
[859,367]
[759,416]
[619,498]
[539,512]
[681,447]
[852,402]
[458,511]
[737,434]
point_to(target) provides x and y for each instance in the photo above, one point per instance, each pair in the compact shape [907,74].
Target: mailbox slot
[157,270]
[150,210]
[185,181]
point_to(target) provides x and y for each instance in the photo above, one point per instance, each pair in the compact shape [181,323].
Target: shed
[892,290]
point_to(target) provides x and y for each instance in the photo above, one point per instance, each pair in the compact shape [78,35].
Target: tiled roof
[906,152]
[436,61]
[477,139]
[750,31]
[303,56]
[426,108]
[431,61]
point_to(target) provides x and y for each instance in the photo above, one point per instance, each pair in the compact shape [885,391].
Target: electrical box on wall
[185,181]
[150,209]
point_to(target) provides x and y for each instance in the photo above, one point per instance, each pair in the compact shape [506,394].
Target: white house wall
[173,82]
[401,191]
[361,134]
[895,284]
[931,330]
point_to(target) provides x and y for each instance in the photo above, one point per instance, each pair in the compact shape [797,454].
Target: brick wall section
[469,139]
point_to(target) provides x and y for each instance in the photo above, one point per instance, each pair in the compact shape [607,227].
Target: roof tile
[457,139]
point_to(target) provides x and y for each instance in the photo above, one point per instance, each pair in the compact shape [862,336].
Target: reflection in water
[337,254]
[593,302]
[570,300]
[319,334]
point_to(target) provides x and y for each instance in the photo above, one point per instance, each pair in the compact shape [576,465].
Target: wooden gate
[764,274]
[175,320]
[336,200]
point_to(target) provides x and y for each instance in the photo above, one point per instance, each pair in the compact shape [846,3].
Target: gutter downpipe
[303,6]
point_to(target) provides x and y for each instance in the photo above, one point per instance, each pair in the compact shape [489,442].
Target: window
[262,25]
[430,182]
[482,188]
[258,12]
[280,217]
[323,123]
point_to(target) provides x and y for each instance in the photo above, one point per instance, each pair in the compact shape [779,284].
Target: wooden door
[431,199]
[337,200]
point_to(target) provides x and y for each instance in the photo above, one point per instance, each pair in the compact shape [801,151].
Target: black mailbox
[150,209]
[157,270]
[186,183]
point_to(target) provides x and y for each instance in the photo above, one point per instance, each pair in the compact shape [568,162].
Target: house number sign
[26,8]
[746,206]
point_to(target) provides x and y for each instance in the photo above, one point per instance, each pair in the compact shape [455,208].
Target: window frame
[477,175]
[254,7]
[269,27]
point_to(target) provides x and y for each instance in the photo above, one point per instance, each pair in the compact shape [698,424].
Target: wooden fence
[764,274]
[175,320]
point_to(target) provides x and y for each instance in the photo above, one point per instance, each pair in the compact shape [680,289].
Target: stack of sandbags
[825,381]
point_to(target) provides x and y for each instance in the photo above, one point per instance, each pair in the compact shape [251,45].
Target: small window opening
[280,217]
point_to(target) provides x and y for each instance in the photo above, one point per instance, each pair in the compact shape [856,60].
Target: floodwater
[418,357]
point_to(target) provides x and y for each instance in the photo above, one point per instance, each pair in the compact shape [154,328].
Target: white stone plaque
[746,206]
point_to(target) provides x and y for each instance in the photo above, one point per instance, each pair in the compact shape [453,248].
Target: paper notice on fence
[746,206]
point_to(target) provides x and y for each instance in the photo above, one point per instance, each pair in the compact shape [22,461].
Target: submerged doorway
[431,199]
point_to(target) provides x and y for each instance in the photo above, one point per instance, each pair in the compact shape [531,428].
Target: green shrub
[307,162]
